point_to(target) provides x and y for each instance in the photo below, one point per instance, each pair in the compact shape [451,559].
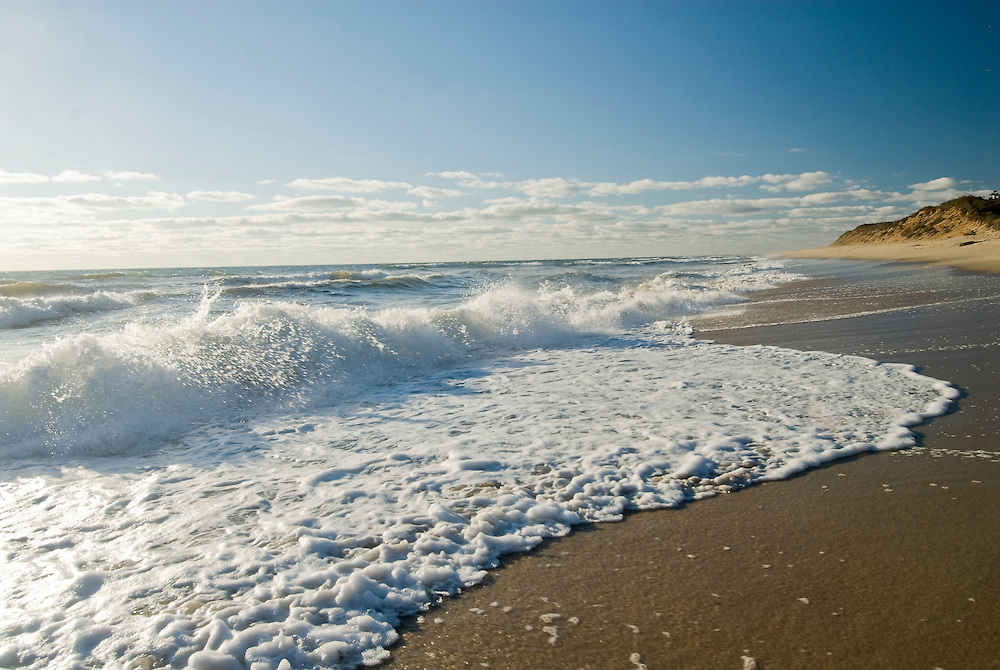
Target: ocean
[269,468]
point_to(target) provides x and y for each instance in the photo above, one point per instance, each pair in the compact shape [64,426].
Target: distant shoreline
[963,233]
[979,256]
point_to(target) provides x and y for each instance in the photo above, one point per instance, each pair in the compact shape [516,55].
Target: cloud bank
[447,215]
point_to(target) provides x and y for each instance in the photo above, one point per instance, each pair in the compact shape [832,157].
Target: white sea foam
[306,538]
[282,482]
[148,382]
[18,312]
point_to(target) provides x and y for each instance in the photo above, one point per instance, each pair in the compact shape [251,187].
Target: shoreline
[883,560]
[979,255]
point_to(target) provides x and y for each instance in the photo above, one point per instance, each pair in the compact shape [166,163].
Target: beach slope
[964,232]
[888,560]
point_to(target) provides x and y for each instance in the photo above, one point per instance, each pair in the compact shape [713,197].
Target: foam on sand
[299,539]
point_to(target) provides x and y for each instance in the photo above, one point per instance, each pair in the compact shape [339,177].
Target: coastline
[883,560]
[980,255]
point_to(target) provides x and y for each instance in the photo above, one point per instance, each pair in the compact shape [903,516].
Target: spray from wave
[147,383]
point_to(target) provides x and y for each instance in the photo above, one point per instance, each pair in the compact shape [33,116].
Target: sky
[229,133]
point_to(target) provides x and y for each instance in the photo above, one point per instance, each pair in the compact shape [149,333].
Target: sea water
[265,468]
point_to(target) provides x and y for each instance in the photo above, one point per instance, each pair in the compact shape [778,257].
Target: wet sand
[888,560]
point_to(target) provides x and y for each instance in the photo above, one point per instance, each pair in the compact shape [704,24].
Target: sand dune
[964,232]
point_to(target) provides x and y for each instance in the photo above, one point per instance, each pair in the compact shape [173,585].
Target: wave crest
[147,383]
[23,312]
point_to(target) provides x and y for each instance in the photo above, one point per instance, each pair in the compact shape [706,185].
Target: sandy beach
[888,560]
[982,254]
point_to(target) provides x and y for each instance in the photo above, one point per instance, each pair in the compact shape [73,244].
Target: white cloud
[803,182]
[535,209]
[266,182]
[21,178]
[509,200]
[101,201]
[64,210]
[21,211]
[940,184]
[867,194]
[868,212]
[933,192]
[65,176]
[129,176]
[551,187]
[309,203]
[470,180]
[740,206]
[459,175]
[530,217]
[807,181]
[75,176]
[221,196]
[605,188]
[719,182]
[347,185]
[725,206]
[431,193]
[388,206]
[638,186]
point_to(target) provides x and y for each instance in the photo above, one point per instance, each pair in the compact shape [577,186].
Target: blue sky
[138,134]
